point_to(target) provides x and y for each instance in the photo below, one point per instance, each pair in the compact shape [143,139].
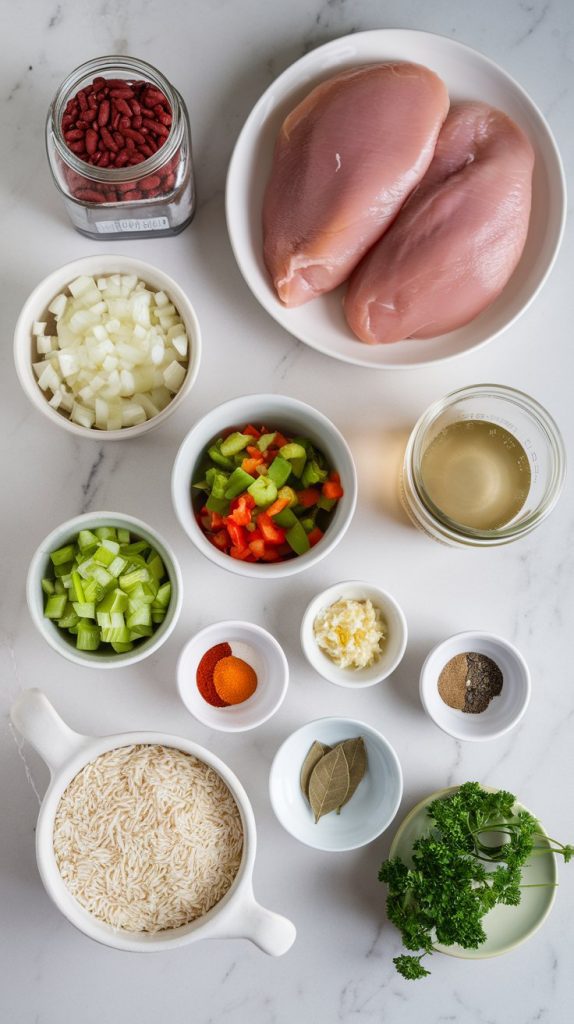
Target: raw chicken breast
[456,241]
[345,160]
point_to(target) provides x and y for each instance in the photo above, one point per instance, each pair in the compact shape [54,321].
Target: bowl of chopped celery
[107,347]
[104,590]
[264,485]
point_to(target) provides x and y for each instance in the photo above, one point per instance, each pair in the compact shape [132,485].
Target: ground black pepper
[469,681]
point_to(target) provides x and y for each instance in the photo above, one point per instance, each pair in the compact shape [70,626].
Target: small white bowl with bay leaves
[369,811]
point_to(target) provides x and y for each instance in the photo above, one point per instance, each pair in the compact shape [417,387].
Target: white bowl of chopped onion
[354,634]
[145,876]
[107,347]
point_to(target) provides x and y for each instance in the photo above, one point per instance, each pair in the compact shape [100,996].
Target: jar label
[105,227]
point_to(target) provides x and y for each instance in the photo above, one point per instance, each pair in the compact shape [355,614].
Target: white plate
[371,808]
[467,75]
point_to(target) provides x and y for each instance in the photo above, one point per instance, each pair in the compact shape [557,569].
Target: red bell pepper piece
[279,440]
[309,496]
[242,554]
[272,533]
[241,513]
[254,453]
[250,466]
[238,535]
[271,555]
[220,539]
[314,536]
[252,431]
[216,521]
[332,489]
[257,547]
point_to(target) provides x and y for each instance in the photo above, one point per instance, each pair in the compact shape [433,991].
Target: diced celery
[131,579]
[77,587]
[65,554]
[85,609]
[103,619]
[106,532]
[85,569]
[69,618]
[114,601]
[48,586]
[133,549]
[157,616]
[236,442]
[103,556]
[86,539]
[101,575]
[117,567]
[93,591]
[139,617]
[162,598]
[123,536]
[88,636]
[63,570]
[140,631]
[59,587]
[155,565]
[55,606]
[122,648]
[121,635]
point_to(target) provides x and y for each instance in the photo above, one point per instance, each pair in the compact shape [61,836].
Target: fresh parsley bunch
[445,895]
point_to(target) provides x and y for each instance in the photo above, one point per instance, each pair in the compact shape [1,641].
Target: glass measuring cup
[522,417]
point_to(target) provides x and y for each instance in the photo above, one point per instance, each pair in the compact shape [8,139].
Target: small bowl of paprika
[232,676]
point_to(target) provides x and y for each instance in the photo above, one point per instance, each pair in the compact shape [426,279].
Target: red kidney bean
[104,113]
[90,114]
[123,107]
[136,136]
[119,140]
[151,182]
[91,141]
[125,122]
[107,140]
[122,158]
[133,194]
[155,127]
[130,144]
[82,100]
[74,135]
[77,147]
[137,121]
[99,82]
[147,111]
[89,195]
[124,93]
[136,109]
[92,101]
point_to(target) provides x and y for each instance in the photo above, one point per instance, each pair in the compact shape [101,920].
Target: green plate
[505,927]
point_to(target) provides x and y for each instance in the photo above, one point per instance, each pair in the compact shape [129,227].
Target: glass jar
[522,417]
[149,199]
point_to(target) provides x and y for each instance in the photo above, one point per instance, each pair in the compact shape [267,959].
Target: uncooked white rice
[147,837]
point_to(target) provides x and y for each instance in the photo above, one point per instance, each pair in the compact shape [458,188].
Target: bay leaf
[356,755]
[316,752]
[329,782]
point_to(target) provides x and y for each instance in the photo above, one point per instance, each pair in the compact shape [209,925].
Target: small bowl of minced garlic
[354,634]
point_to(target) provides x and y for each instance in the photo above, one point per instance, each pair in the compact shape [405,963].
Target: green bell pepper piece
[220,505]
[238,481]
[235,443]
[297,538]
[263,491]
[313,474]
[219,459]
[279,471]
[293,451]
[265,442]
[285,518]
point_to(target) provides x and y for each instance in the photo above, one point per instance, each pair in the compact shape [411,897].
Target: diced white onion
[116,355]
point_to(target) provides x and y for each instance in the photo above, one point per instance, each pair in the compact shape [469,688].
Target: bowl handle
[39,723]
[273,933]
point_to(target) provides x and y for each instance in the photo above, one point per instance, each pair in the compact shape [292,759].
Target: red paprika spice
[204,674]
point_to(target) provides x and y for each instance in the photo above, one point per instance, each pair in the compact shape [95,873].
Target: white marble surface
[221,54]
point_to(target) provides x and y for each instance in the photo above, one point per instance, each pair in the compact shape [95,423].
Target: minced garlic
[351,633]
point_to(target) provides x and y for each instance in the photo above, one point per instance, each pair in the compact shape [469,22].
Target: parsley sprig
[444,896]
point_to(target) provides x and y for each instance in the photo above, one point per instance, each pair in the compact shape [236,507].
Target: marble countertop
[221,55]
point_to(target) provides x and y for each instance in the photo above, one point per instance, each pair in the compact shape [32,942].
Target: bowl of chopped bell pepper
[264,485]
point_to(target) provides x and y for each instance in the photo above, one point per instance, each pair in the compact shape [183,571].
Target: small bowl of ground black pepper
[475,686]
[232,676]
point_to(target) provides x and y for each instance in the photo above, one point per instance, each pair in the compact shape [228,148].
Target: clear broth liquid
[477,474]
